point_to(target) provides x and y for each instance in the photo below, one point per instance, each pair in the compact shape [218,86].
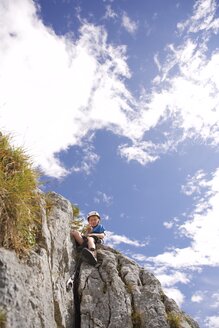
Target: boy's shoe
[89,256]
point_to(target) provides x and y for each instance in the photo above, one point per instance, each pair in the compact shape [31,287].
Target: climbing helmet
[93,213]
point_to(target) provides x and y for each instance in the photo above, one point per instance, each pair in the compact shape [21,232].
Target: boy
[94,233]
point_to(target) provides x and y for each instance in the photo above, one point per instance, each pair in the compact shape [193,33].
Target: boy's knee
[74,233]
[90,239]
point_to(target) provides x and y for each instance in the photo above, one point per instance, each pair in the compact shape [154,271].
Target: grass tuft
[77,222]
[174,320]
[20,219]
[130,287]
[136,318]
[3,318]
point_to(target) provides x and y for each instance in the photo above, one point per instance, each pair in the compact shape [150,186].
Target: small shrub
[77,222]
[76,211]
[2,318]
[49,203]
[130,287]
[136,318]
[20,221]
[115,251]
[174,320]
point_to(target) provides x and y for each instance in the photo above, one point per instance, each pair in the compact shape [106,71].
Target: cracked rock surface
[120,294]
[117,293]
[32,291]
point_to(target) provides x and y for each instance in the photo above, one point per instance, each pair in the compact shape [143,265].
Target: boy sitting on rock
[93,234]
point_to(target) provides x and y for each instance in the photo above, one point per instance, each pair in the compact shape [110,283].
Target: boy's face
[93,220]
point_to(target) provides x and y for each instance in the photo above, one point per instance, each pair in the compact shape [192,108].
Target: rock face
[116,293]
[33,293]
[119,293]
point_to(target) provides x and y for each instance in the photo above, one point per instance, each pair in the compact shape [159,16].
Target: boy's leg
[77,236]
[92,246]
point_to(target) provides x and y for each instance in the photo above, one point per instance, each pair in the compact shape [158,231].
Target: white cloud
[144,151]
[192,97]
[112,240]
[110,13]
[52,89]
[195,184]
[175,294]
[169,279]
[130,25]
[59,87]
[157,62]
[202,228]
[89,161]
[139,257]
[212,322]
[215,299]
[102,197]
[141,152]
[172,278]
[188,85]
[203,17]
[106,217]
[168,225]
[197,297]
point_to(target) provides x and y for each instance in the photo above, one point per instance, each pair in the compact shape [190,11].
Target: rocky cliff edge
[117,293]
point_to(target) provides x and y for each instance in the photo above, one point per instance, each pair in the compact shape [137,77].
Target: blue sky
[117,102]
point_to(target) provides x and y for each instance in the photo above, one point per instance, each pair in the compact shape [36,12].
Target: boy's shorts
[96,240]
[85,241]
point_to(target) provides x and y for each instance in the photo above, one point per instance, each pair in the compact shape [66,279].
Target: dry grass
[136,318]
[2,318]
[130,287]
[77,222]
[174,320]
[19,200]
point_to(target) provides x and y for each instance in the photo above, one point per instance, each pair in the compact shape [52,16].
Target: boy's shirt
[98,229]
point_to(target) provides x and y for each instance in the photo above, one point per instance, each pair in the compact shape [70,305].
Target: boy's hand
[89,229]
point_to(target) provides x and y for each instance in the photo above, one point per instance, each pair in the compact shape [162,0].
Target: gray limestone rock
[116,293]
[32,291]
[119,293]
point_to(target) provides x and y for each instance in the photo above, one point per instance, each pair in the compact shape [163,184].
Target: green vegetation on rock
[2,318]
[136,318]
[174,320]
[20,219]
[78,222]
